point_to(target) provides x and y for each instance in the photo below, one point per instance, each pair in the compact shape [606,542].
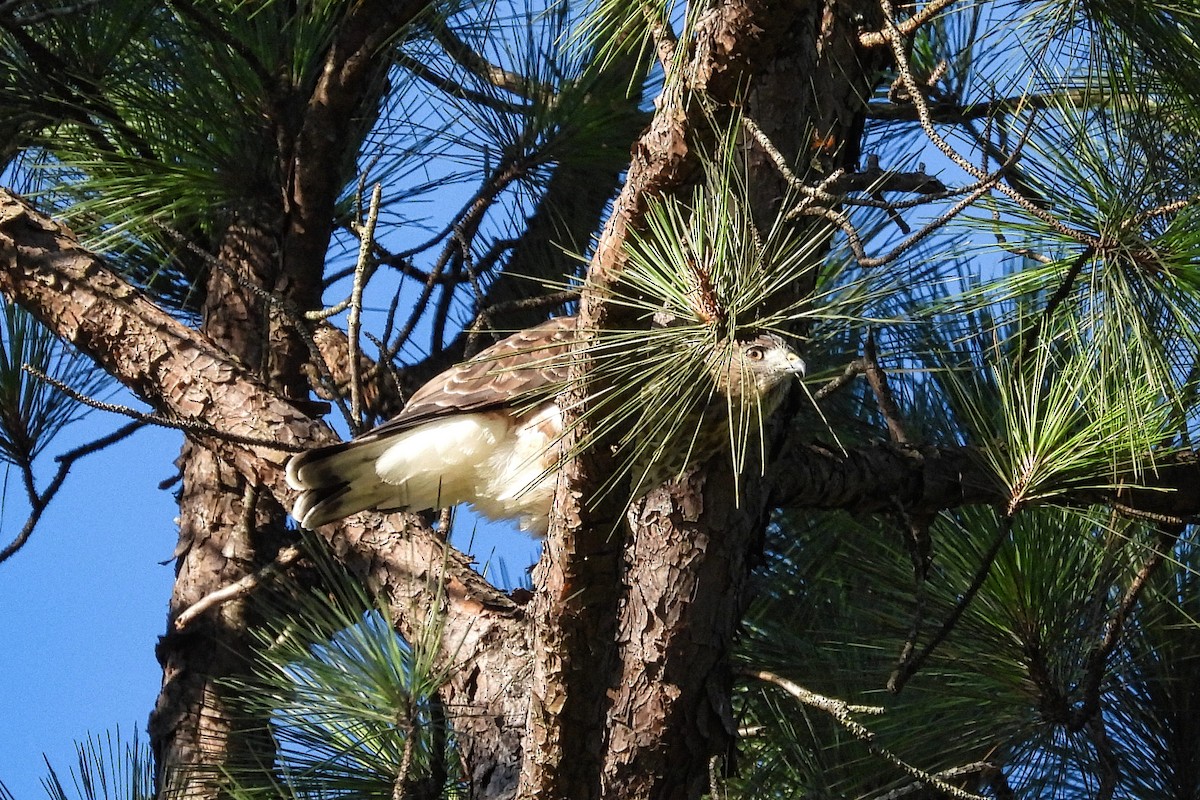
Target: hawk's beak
[796,365]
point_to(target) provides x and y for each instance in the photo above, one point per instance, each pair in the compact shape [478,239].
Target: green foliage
[352,707]
[1062,417]
[106,768]
[700,279]
[839,602]
[1053,329]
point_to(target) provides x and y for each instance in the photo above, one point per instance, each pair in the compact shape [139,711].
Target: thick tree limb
[317,170]
[669,711]
[928,479]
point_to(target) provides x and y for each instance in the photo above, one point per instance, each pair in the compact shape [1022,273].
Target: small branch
[237,589]
[361,275]
[1060,295]
[896,37]
[949,110]
[907,27]
[716,791]
[1153,516]
[1106,760]
[39,501]
[455,88]
[466,57]
[1097,659]
[876,179]
[1164,210]
[919,545]
[855,241]
[163,421]
[906,668]
[483,320]
[400,785]
[978,770]
[468,219]
[878,381]
[841,711]
[853,370]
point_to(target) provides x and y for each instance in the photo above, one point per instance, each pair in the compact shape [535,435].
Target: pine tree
[960,564]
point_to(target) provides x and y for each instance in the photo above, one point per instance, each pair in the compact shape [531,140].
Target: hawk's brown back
[529,366]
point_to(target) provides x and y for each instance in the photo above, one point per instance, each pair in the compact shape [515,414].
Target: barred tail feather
[438,463]
[340,480]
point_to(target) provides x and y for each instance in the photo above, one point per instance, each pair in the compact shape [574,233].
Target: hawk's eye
[755,353]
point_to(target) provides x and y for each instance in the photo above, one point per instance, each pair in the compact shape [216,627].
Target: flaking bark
[628,717]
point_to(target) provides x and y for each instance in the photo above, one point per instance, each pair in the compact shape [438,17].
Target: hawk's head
[756,370]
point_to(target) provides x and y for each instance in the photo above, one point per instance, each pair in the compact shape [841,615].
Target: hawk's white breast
[500,462]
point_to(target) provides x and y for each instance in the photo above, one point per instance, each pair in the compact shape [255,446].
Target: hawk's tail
[339,480]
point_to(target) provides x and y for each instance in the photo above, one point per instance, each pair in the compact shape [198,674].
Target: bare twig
[237,589]
[483,320]
[906,668]
[855,241]
[841,713]
[906,28]
[895,36]
[1164,210]
[401,784]
[361,274]
[949,110]
[1109,766]
[874,181]
[1152,516]
[39,501]
[455,88]
[978,769]
[878,381]
[1098,657]
[466,57]
[164,421]
[853,370]
[716,791]
[467,220]
[919,545]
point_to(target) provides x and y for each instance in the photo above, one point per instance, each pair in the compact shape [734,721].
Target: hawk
[488,432]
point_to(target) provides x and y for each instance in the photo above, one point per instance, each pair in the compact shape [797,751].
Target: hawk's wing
[526,367]
[432,450]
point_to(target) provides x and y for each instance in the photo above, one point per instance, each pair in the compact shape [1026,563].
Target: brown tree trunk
[277,252]
[226,531]
[634,631]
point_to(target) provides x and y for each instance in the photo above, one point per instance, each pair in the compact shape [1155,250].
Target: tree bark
[272,250]
[637,705]
[181,373]
[225,533]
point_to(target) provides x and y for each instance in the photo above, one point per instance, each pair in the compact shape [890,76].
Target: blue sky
[82,605]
